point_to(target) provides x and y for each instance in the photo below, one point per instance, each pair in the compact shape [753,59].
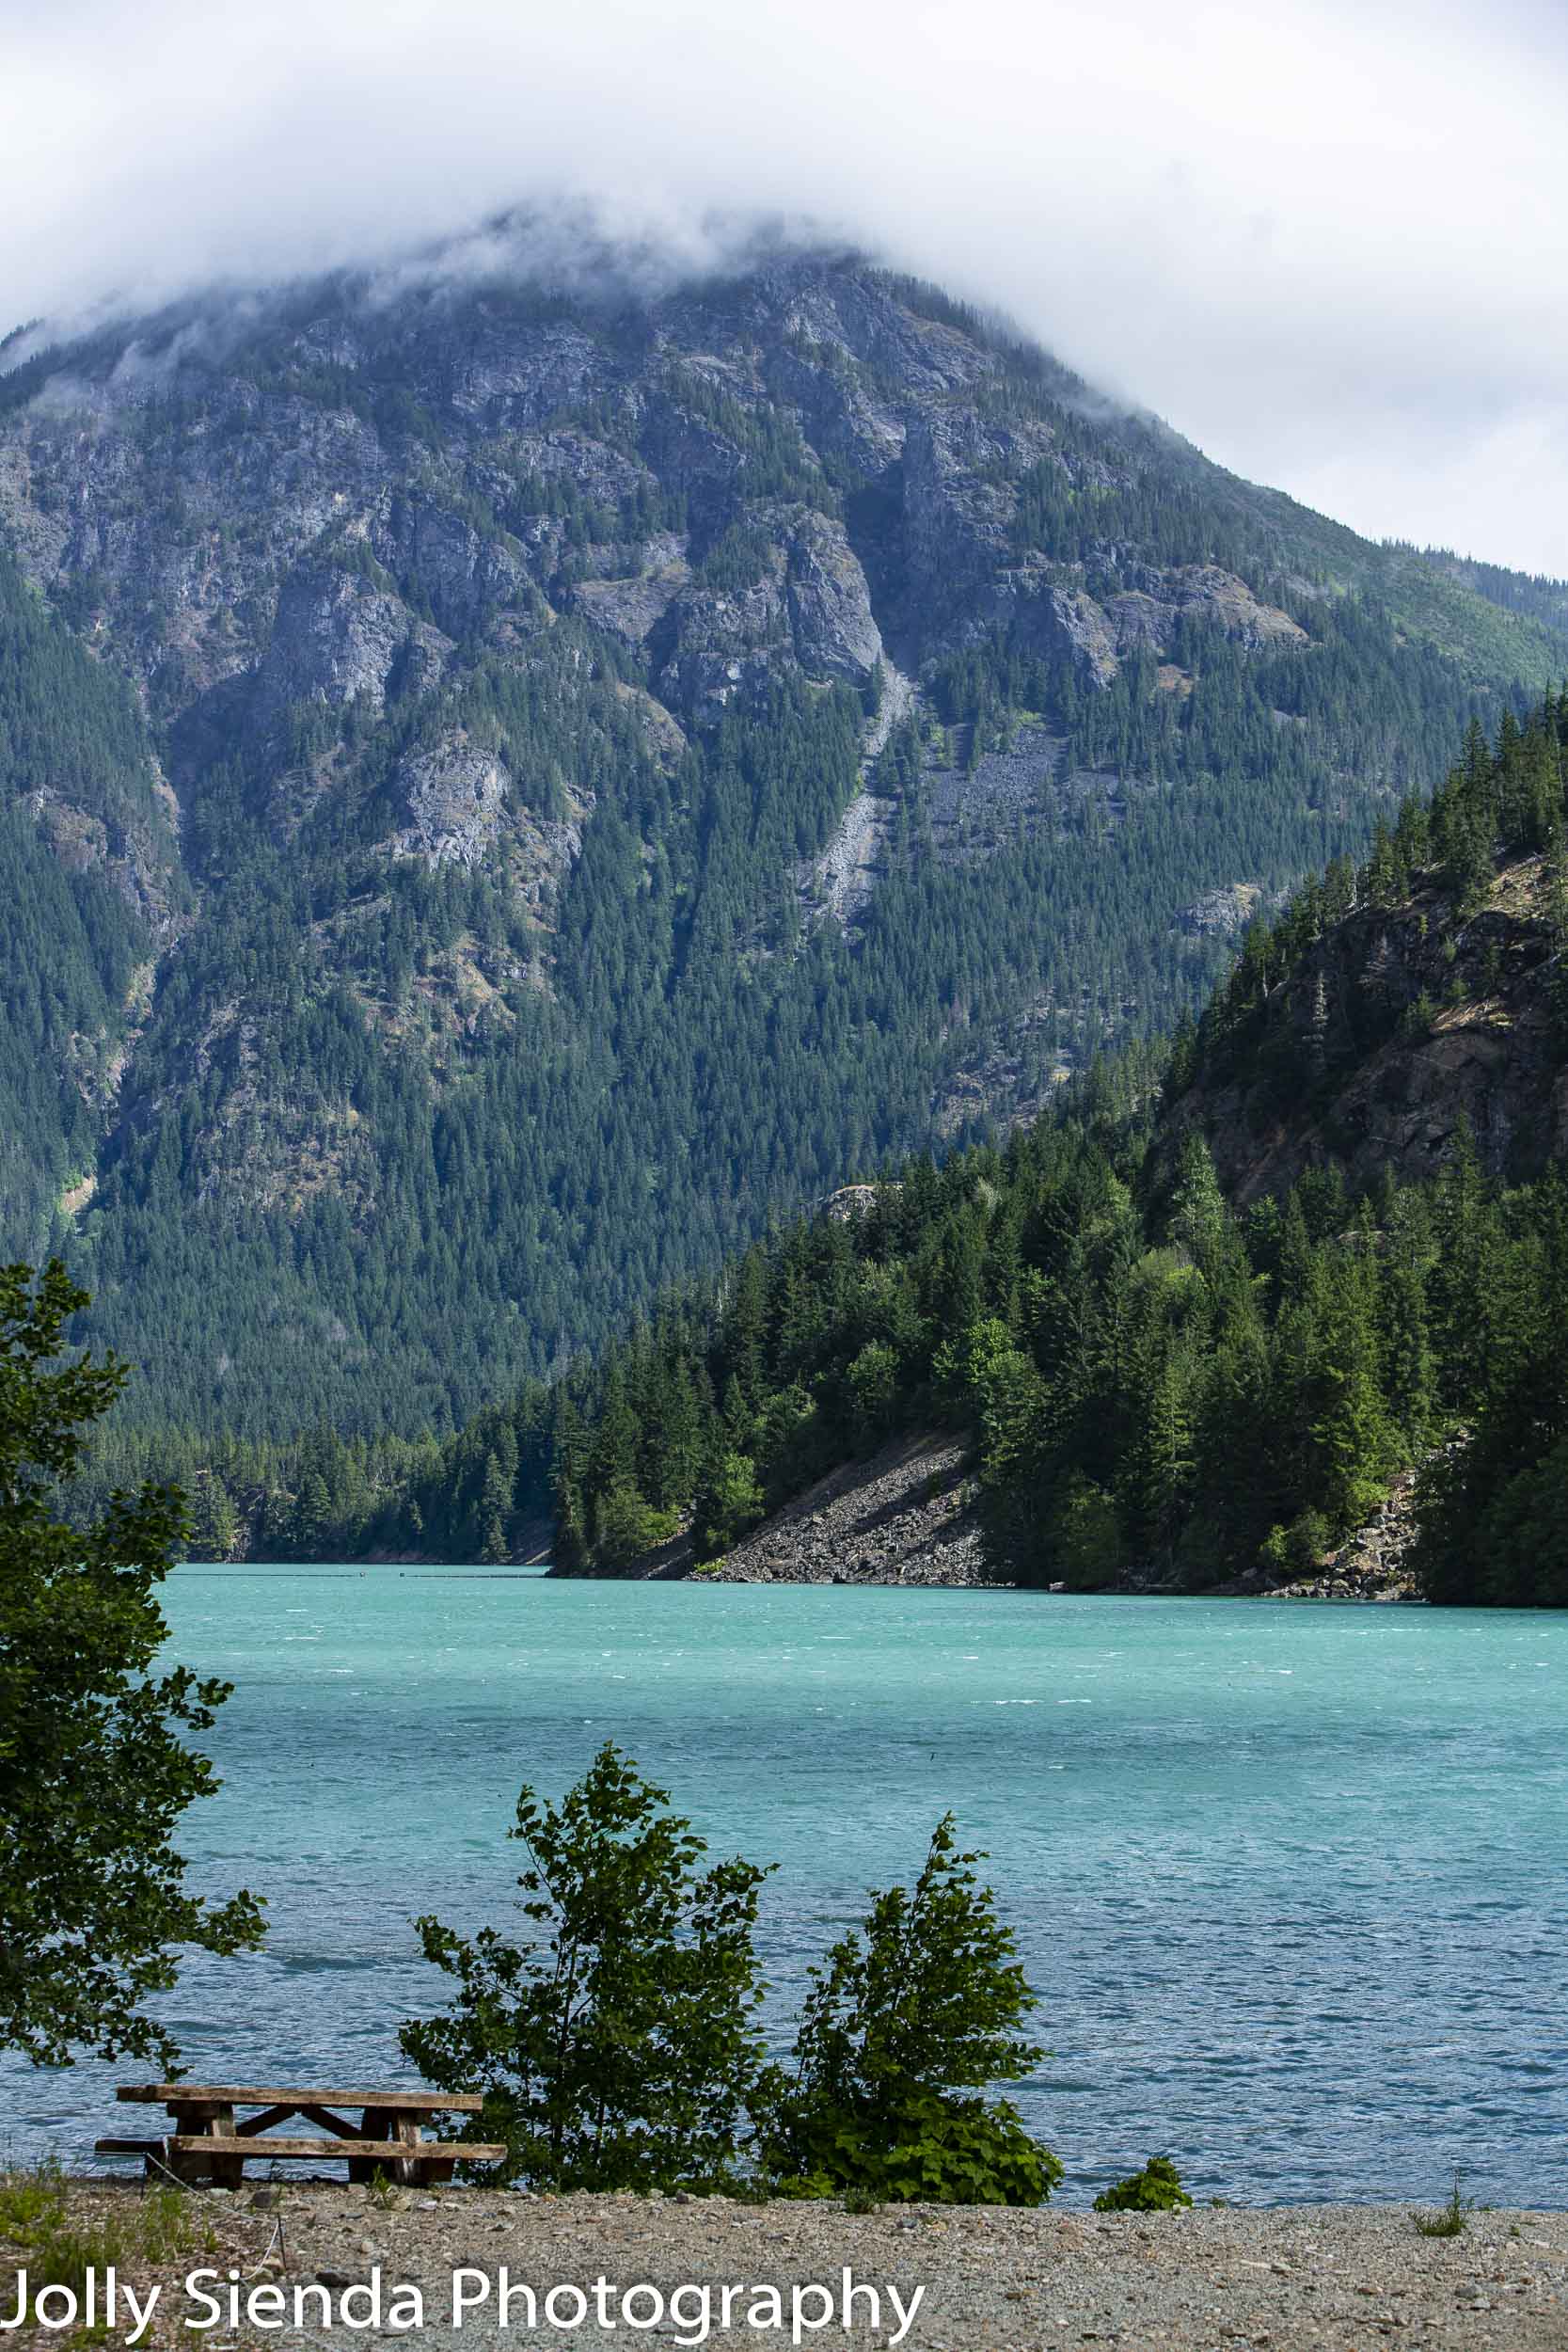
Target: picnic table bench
[207,2142]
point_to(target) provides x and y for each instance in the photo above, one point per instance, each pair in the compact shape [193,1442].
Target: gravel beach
[1340,2278]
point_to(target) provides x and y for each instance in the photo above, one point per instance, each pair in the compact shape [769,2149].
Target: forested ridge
[1156,1377]
[507,796]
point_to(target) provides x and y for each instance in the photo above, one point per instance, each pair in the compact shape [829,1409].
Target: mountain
[1191,1329]
[507,790]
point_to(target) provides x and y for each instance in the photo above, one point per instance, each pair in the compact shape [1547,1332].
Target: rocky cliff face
[1405,1022]
[493,654]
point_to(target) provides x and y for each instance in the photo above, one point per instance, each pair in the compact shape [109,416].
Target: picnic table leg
[389,2123]
[209,2119]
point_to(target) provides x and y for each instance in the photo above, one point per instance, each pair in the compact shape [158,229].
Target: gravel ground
[1342,2278]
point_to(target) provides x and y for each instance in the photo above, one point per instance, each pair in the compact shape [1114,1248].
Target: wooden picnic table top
[174,2095]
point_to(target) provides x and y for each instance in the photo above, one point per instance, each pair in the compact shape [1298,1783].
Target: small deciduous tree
[626,1526]
[94,1772]
[728,1502]
[924,2004]
[617,2048]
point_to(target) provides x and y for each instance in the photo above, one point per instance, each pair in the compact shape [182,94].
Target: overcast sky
[1330,249]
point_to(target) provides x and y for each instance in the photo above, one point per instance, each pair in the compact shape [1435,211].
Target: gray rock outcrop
[829,604]
[337,638]
[456,799]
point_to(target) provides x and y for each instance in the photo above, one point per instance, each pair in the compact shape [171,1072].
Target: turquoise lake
[1291,1880]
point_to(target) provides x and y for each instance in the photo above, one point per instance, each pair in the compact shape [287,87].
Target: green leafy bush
[1297,1549]
[616,2049]
[936,2150]
[923,2002]
[1156,2189]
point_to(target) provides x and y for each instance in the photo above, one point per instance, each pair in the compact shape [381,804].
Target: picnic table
[209,2140]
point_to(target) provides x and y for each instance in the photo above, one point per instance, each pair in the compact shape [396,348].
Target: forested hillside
[1162,1371]
[90,885]
[507,794]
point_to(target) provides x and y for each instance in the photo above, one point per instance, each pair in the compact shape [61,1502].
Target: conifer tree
[94,1770]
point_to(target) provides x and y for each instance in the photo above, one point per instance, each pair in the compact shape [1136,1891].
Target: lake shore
[1330,2276]
[906,1516]
[910,1516]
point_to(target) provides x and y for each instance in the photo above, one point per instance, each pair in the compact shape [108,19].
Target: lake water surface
[1291,1880]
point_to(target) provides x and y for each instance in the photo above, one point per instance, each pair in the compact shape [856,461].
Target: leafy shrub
[923,2001]
[1156,2189]
[937,2152]
[1298,1550]
[617,2048]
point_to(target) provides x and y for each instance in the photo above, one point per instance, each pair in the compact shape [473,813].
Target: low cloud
[1324,244]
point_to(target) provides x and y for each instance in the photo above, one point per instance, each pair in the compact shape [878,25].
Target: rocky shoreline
[906,1516]
[909,1516]
[1369,1566]
[984,2280]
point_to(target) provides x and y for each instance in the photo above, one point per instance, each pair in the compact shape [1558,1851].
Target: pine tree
[1160,1462]
[1317,1045]
[1356,1445]
[215,1529]
[1199,1218]
[495,1509]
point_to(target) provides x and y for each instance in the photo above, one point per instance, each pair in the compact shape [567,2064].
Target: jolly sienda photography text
[485,2301]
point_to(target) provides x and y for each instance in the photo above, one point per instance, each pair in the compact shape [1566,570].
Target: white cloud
[1325,244]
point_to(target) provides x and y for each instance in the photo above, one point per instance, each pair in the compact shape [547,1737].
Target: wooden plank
[363,2151]
[187,2094]
[278,2113]
[371,2128]
[212,2119]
